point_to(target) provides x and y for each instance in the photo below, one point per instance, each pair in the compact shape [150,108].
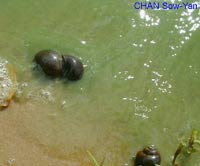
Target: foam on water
[6,83]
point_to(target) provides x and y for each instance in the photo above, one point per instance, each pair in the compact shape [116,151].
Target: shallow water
[140,86]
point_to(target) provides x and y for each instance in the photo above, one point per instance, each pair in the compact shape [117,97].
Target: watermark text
[164,5]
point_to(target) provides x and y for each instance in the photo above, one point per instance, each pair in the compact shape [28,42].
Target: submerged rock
[7,83]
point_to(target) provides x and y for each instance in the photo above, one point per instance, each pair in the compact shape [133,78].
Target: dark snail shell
[149,156]
[72,67]
[50,61]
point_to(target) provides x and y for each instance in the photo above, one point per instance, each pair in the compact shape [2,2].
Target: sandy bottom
[17,150]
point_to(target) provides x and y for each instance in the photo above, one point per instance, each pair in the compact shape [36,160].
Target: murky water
[140,86]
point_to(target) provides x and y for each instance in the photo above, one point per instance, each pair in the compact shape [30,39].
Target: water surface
[140,86]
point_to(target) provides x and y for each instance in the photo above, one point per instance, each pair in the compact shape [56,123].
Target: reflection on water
[141,82]
[149,20]
[163,86]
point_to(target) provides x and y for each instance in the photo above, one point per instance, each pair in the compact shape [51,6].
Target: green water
[140,86]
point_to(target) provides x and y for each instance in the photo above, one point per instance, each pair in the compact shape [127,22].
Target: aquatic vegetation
[187,147]
[149,156]
[8,83]
[56,65]
[94,159]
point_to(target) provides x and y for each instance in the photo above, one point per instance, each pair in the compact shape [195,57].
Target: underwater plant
[94,159]
[187,147]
